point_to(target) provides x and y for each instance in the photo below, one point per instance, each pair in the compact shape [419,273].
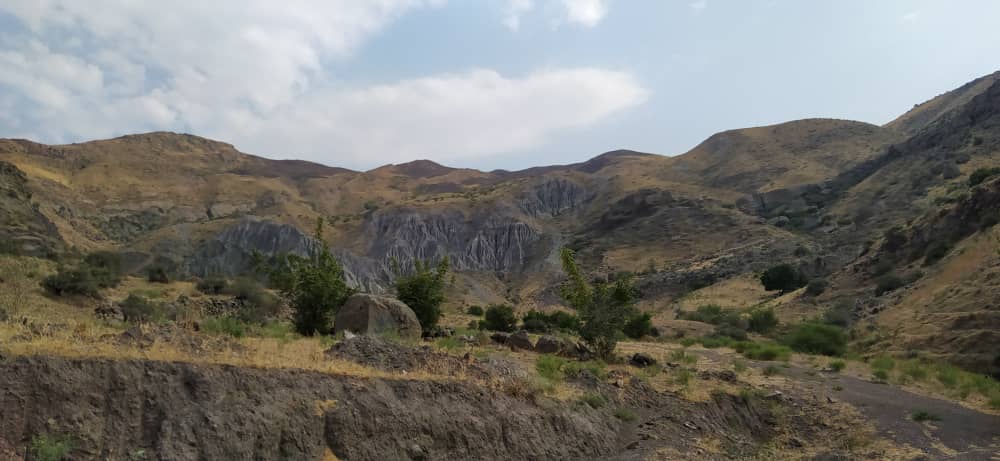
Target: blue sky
[477,83]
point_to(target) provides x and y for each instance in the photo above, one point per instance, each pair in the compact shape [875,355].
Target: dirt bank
[179,411]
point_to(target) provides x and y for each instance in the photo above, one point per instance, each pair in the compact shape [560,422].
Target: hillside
[816,193]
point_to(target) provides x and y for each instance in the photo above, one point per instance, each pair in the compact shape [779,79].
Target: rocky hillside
[818,193]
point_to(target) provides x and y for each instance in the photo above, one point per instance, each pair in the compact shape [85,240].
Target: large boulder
[520,341]
[375,315]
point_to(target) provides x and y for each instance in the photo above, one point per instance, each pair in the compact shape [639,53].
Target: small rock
[795,443]
[548,345]
[500,337]
[776,395]
[642,360]
[830,399]
[520,340]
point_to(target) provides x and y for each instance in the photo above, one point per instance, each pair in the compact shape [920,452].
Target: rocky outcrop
[553,197]
[23,228]
[377,315]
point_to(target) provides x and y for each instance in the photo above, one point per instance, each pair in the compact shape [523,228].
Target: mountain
[822,194]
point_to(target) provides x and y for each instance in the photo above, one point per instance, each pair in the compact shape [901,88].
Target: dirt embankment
[178,411]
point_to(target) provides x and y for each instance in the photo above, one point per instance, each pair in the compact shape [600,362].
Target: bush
[625,414]
[49,448]
[213,285]
[772,370]
[982,174]
[935,251]
[157,274]
[816,287]
[423,291]
[762,351]
[224,326]
[594,400]
[838,365]
[816,338]
[762,321]
[550,367]
[535,322]
[639,326]
[71,281]
[475,310]
[260,304]
[106,268]
[500,317]
[604,307]
[783,278]
[138,309]
[888,283]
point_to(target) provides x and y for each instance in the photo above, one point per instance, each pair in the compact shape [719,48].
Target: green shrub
[106,268]
[887,283]
[639,326]
[771,370]
[550,367]
[708,313]
[682,356]
[712,342]
[982,174]
[682,377]
[783,278]
[138,309]
[935,251]
[923,415]
[475,310]
[816,287]
[500,317]
[837,365]
[50,448]
[260,304]
[71,281]
[594,367]
[762,351]
[730,331]
[883,362]
[423,291]
[213,285]
[762,321]
[157,274]
[536,322]
[594,400]
[739,366]
[224,326]
[817,338]
[881,375]
[625,414]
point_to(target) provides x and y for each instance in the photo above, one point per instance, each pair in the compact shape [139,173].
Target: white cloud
[699,5]
[255,73]
[911,16]
[446,117]
[586,13]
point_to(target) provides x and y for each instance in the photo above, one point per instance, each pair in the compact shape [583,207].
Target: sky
[474,83]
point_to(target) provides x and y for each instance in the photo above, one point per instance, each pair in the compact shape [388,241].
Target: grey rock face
[374,315]
[553,197]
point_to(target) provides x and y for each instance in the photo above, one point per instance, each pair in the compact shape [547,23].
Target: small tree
[639,325]
[500,317]
[603,307]
[318,288]
[423,291]
[783,278]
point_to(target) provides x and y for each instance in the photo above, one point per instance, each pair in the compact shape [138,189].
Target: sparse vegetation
[224,326]
[783,278]
[603,307]
[138,309]
[500,317]
[46,447]
[475,310]
[762,350]
[762,321]
[841,314]
[423,291]
[594,400]
[816,287]
[625,414]
[213,285]
[887,283]
[771,370]
[540,322]
[157,274]
[837,365]
[96,271]
[817,338]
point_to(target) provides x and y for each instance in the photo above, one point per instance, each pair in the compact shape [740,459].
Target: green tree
[500,317]
[317,288]
[423,291]
[603,307]
[783,278]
